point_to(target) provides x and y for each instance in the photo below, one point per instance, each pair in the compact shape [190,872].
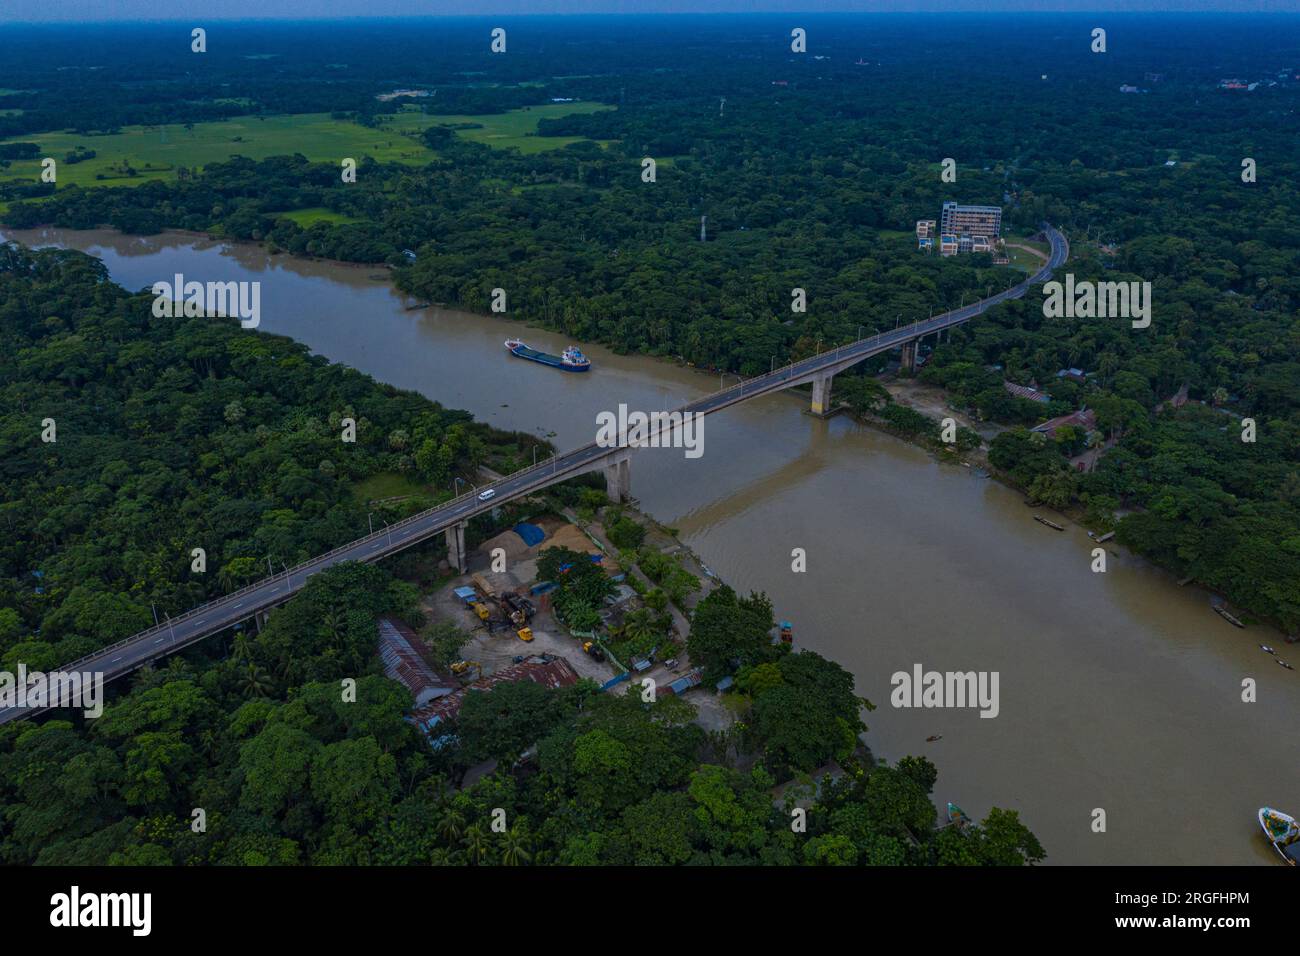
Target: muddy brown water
[1118,691]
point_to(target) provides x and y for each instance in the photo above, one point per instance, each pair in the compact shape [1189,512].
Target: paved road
[129,654]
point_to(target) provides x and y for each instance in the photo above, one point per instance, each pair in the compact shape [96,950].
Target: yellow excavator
[466,668]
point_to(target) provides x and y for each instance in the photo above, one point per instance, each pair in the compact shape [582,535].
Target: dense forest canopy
[170,435]
[810,170]
[811,175]
[173,433]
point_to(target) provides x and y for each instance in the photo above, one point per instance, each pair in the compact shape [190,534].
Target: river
[1118,691]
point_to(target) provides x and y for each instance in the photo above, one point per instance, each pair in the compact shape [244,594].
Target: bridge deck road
[127,655]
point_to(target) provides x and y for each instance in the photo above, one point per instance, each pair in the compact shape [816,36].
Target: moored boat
[571,360]
[1222,611]
[957,816]
[1282,832]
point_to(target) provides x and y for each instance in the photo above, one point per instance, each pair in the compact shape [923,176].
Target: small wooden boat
[1285,664]
[1266,649]
[1282,832]
[1222,611]
[932,738]
[1051,524]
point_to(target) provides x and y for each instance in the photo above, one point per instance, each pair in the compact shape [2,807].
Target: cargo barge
[571,360]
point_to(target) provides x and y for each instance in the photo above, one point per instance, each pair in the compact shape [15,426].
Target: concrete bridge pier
[821,394]
[456,554]
[618,478]
[909,355]
[260,619]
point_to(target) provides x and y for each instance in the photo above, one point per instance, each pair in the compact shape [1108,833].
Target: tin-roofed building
[1027,392]
[403,663]
[1085,419]
[545,669]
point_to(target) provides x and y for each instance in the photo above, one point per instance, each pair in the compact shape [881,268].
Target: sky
[64,11]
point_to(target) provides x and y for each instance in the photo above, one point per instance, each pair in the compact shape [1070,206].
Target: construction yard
[493,649]
[482,602]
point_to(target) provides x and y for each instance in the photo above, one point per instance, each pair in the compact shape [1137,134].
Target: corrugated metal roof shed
[549,671]
[403,663]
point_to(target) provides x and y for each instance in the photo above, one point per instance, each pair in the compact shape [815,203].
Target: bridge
[451,517]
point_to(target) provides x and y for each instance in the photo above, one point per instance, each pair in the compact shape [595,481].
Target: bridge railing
[980,305]
[554,464]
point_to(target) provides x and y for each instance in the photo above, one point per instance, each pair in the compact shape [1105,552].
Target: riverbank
[933,402]
[1113,685]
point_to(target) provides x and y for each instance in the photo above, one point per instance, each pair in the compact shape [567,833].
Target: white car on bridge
[485,495]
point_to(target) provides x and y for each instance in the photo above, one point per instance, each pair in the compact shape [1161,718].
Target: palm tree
[242,648]
[638,626]
[475,842]
[255,682]
[284,667]
[332,621]
[450,826]
[144,676]
[1108,364]
[514,849]
[208,743]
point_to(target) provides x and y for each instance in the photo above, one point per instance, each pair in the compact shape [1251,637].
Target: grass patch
[155,152]
[516,129]
[389,484]
[1026,261]
[309,217]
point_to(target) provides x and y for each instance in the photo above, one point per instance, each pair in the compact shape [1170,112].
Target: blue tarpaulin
[531,534]
[615,681]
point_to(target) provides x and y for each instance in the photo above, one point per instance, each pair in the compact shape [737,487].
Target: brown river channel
[1118,691]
